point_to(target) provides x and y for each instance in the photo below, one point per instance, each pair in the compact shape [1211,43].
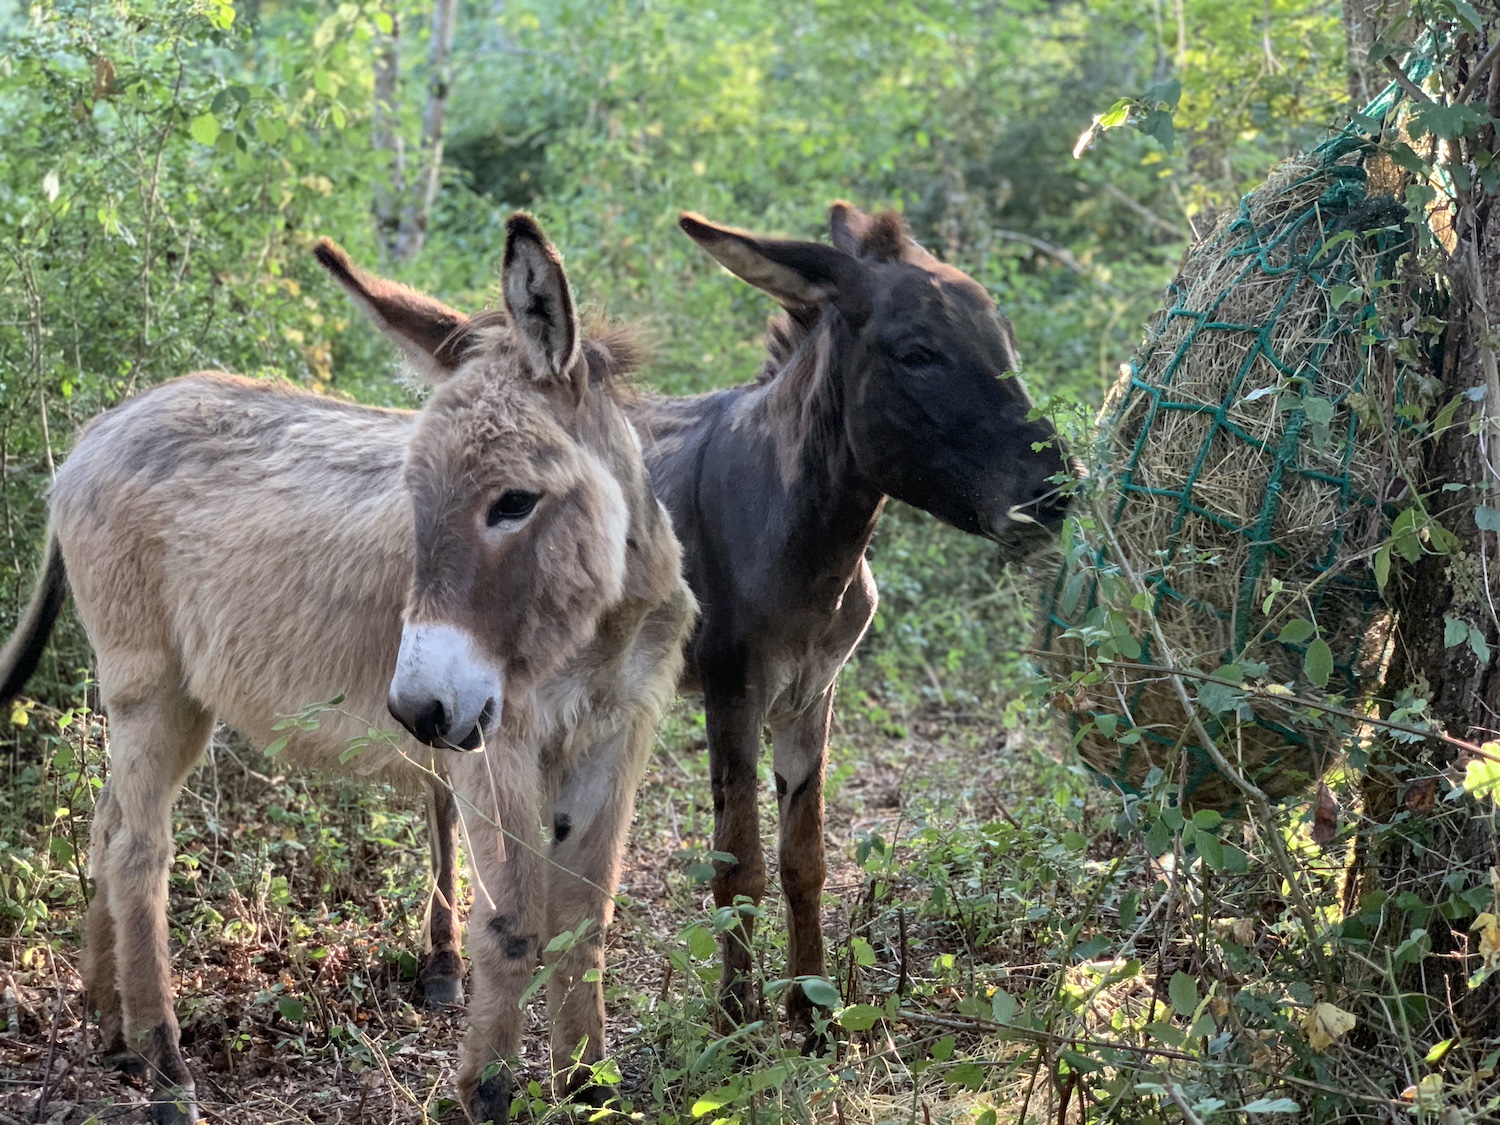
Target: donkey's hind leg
[99,977]
[800,750]
[442,972]
[153,745]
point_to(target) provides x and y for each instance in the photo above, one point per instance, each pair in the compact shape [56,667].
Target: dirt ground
[297,905]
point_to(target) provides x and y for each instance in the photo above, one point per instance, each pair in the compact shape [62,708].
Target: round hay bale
[1240,483]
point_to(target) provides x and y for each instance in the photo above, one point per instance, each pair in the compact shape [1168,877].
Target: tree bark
[414,222]
[1444,848]
[386,133]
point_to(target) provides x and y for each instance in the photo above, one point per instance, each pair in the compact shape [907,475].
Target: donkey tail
[23,652]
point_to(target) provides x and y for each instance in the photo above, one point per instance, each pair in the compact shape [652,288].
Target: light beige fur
[240,550]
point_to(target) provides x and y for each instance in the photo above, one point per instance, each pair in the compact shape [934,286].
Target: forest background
[164,171]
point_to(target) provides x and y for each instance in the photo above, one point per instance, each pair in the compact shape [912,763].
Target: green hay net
[1341,238]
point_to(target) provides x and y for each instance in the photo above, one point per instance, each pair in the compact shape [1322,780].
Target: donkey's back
[249,551]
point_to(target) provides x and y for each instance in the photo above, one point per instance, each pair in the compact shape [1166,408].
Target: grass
[1009,941]
[296,907]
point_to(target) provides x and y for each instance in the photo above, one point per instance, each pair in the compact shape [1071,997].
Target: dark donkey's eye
[514,505]
[916,356]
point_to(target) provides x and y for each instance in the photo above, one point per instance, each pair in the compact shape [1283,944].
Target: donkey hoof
[125,1061]
[819,1044]
[739,1004]
[442,992]
[175,1105]
[492,1099]
[592,1095]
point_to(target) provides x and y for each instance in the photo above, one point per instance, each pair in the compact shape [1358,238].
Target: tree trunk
[1366,79]
[386,133]
[1447,634]
[413,232]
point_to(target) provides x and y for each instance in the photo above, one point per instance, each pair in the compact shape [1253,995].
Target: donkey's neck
[831,508]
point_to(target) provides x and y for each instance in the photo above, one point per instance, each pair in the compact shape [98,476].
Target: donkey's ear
[538,300]
[882,237]
[849,227]
[433,336]
[800,275]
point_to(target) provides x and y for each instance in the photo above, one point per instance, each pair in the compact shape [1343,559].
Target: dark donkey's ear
[433,336]
[882,237]
[800,275]
[538,300]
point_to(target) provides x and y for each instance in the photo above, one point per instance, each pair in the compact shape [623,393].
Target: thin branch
[1275,697]
[1253,795]
[1145,212]
[1479,72]
[1405,81]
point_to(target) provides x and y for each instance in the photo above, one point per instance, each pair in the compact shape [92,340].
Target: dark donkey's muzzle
[445,691]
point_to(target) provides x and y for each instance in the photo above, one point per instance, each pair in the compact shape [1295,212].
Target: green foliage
[166,170]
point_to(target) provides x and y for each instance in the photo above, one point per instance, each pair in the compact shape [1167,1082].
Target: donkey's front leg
[442,972]
[498,796]
[590,818]
[800,748]
[734,722]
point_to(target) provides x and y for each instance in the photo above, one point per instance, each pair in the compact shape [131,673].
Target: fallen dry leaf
[1325,817]
[1488,927]
[1421,796]
[1325,1024]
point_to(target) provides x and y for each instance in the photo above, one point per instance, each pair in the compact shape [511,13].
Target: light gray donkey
[493,569]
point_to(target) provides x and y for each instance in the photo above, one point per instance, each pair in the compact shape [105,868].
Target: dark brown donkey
[493,571]
[890,374]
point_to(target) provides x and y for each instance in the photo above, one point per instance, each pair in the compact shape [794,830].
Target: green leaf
[1206,820]
[1158,124]
[1403,156]
[1211,850]
[204,129]
[1482,776]
[820,992]
[536,983]
[291,1009]
[1447,121]
[1478,645]
[1236,862]
[1317,410]
[860,1017]
[1382,567]
[1116,114]
[1318,663]
[1487,518]
[1470,15]
[1222,697]
[1296,632]
[1183,992]
[969,1075]
[1455,631]
[864,955]
[1002,1006]
[1168,90]
[1271,1105]
[277,746]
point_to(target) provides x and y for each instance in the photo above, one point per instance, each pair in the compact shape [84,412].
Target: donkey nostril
[430,722]
[486,715]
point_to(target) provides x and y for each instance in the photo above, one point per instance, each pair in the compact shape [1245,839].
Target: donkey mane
[612,349]
[800,392]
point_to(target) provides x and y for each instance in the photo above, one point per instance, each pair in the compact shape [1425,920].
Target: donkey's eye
[513,505]
[916,356]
